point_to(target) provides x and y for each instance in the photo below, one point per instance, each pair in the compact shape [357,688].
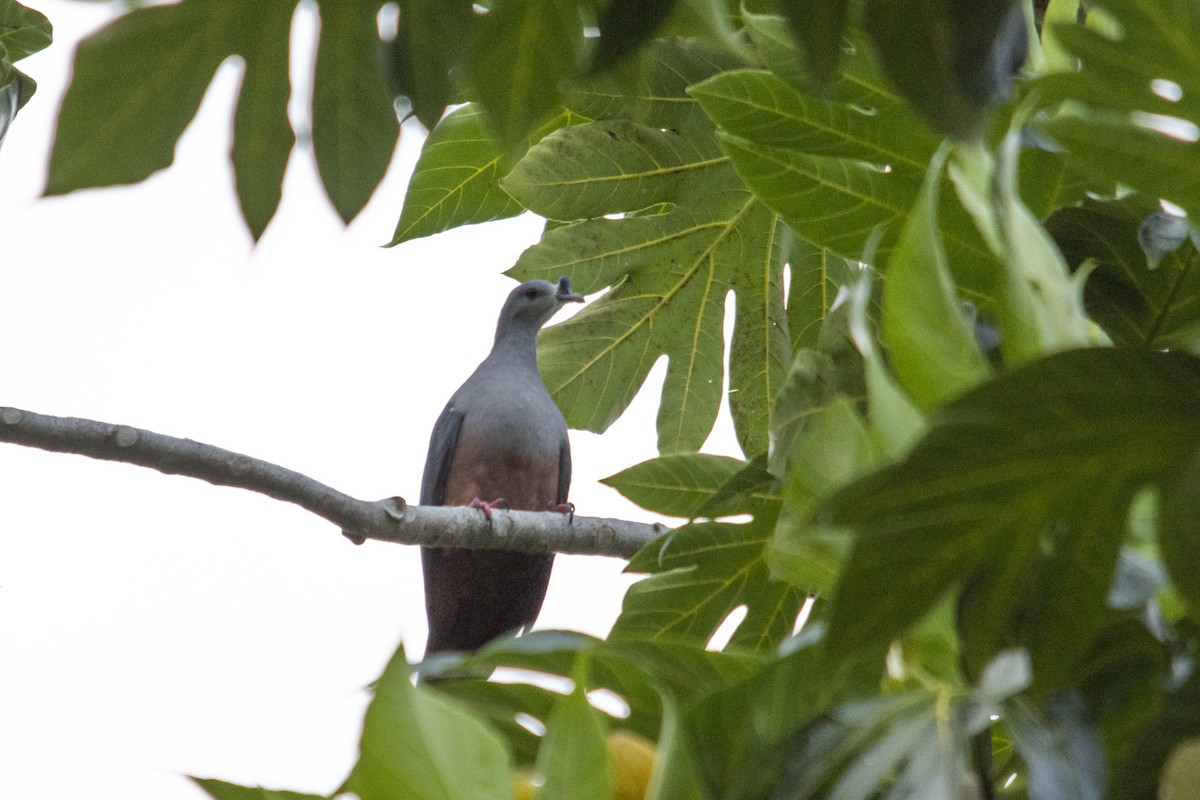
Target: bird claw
[564,508]
[487,508]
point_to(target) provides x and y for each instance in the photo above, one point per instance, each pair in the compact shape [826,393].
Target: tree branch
[389,520]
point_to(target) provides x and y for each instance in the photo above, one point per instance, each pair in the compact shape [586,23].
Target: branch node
[354,537]
[10,416]
[126,436]
[395,508]
[240,466]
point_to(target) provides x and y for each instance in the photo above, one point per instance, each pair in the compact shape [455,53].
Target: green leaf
[418,744]
[950,60]
[873,127]
[678,267]
[354,122]
[932,347]
[701,573]
[835,448]
[220,790]
[429,45]
[760,350]
[625,26]
[816,378]
[1057,12]
[1122,682]
[638,671]
[817,274]
[656,94]
[773,39]
[10,91]
[1138,306]
[750,490]
[572,759]
[1039,307]
[675,770]
[1049,181]
[523,50]
[839,203]
[1179,532]
[499,705]
[676,485]
[137,84]
[608,167]
[818,24]
[895,421]
[1176,721]
[23,31]
[1056,447]
[262,134]
[1117,137]
[689,233]
[722,743]
[456,180]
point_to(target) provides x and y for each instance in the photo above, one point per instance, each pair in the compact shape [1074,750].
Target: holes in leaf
[1170,91]
[530,723]
[609,702]
[725,631]
[1174,127]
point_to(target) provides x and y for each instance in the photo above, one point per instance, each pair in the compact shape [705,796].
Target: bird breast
[511,452]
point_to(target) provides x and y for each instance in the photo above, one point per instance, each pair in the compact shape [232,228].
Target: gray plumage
[500,436]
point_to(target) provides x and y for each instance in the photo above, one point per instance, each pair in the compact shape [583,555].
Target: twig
[389,520]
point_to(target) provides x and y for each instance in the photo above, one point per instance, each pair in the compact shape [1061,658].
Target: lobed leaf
[456,179]
[700,574]
[262,135]
[1128,132]
[354,122]
[670,272]
[609,167]
[137,84]
[676,485]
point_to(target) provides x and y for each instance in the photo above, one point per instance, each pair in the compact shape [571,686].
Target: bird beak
[564,293]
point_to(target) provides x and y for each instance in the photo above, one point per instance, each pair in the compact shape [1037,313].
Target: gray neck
[515,347]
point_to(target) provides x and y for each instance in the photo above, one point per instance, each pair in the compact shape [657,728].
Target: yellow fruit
[1180,778]
[630,760]
[523,786]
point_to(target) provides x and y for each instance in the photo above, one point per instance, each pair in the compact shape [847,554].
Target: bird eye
[531,293]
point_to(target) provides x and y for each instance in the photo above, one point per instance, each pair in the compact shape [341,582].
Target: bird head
[533,303]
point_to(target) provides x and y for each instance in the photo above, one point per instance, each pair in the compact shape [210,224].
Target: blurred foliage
[959,559]
[23,31]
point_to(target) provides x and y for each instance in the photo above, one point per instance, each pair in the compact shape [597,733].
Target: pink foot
[487,508]
[563,508]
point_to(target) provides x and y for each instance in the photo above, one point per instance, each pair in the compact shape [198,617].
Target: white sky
[154,626]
